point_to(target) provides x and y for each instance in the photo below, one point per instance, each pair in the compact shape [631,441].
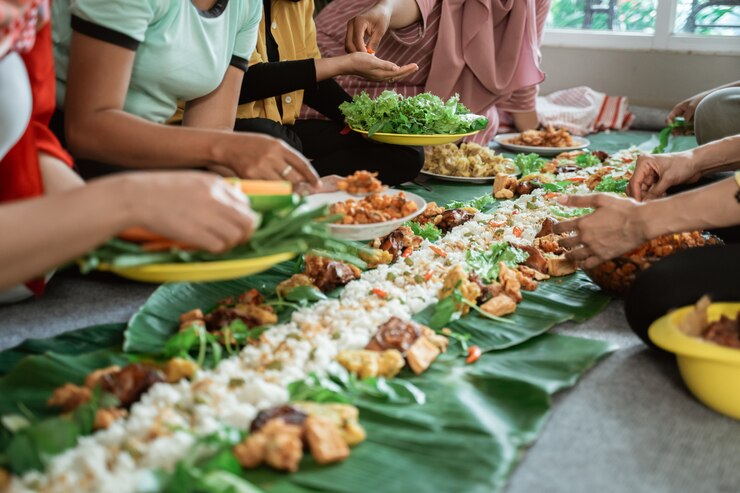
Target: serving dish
[711,372]
[415,139]
[363,232]
[502,140]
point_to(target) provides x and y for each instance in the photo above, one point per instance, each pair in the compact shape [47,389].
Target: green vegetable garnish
[568,213]
[484,203]
[558,186]
[428,231]
[486,263]
[528,164]
[664,136]
[424,113]
[587,160]
[610,184]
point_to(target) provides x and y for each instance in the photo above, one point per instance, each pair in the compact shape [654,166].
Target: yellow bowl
[199,271]
[710,371]
[415,139]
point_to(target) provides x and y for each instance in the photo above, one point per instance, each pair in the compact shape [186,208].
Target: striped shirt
[412,44]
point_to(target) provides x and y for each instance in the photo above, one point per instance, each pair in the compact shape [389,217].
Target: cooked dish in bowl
[374,208]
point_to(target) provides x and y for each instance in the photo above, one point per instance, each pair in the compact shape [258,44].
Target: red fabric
[20,176]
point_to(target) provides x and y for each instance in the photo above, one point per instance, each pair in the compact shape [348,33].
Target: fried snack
[548,137]
[360,183]
[375,208]
[468,160]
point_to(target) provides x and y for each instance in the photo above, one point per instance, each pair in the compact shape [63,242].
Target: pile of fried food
[396,343]
[725,331]
[374,208]
[278,436]
[126,385]
[549,137]
[468,160]
[618,274]
[361,183]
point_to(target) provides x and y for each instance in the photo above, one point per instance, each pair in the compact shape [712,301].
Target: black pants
[680,280]
[335,154]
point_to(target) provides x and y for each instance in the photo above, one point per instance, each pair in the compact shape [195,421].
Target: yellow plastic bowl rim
[384,134]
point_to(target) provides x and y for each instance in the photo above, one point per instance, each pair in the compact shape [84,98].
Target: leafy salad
[423,114]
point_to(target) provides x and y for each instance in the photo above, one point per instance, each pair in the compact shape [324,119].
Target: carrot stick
[164,246]
[140,235]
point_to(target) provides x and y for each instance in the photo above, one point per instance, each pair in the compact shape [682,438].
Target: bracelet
[737,180]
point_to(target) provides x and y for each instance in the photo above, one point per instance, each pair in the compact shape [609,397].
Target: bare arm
[217,110]
[57,228]
[687,107]
[375,22]
[98,128]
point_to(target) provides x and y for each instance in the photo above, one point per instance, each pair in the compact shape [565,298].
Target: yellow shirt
[294,31]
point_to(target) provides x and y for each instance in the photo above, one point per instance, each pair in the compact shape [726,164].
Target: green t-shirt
[182,53]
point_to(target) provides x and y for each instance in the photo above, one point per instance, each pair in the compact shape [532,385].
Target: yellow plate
[199,271]
[414,139]
[710,371]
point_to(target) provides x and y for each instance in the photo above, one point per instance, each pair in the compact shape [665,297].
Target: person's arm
[196,208]
[98,128]
[687,107]
[216,110]
[619,225]
[375,22]
[656,173]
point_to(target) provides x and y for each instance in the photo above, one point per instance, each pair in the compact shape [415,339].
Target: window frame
[663,39]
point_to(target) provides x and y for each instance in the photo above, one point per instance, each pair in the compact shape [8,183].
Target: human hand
[615,227]
[195,208]
[656,173]
[373,68]
[686,108]
[261,157]
[372,23]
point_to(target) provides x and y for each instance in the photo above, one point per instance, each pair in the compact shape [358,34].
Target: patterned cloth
[19,21]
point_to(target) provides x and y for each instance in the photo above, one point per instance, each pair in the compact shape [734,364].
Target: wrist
[645,217]
[120,200]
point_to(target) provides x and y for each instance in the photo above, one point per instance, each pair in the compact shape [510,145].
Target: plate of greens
[424,119]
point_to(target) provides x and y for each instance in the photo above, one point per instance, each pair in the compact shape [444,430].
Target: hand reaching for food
[613,228]
[656,173]
[372,68]
[372,24]
[197,209]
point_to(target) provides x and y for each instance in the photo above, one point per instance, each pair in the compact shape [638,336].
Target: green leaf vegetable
[528,164]
[428,231]
[587,160]
[487,263]
[424,113]
[611,184]
[338,385]
[558,186]
[483,203]
[305,294]
[679,123]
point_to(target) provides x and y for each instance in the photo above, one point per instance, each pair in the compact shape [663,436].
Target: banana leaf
[75,342]
[555,301]
[468,436]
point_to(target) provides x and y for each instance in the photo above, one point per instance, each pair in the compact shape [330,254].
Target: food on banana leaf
[397,243]
[281,434]
[367,363]
[374,208]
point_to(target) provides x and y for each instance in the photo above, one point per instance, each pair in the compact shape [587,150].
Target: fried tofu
[277,444]
[366,363]
[510,281]
[325,441]
[560,266]
[457,277]
[499,305]
[69,397]
[344,416]
[421,355]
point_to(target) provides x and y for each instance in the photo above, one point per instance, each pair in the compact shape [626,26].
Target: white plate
[363,232]
[501,139]
[460,179]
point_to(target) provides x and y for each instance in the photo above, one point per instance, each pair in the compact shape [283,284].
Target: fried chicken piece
[509,279]
[345,417]
[560,266]
[289,414]
[535,259]
[499,305]
[421,355]
[395,334]
[277,444]
[329,274]
[192,315]
[105,417]
[398,241]
[366,363]
[528,283]
[526,187]
[457,277]
[128,384]
[178,368]
[93,379]
[296,280]
[547,228]
[325,441]
[440,341]
[534,273]
[69,397]
[594,180]
[549,244]
[431,214]
[453,218]
[504,186]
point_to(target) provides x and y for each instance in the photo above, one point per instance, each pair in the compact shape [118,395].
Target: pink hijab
[486,49]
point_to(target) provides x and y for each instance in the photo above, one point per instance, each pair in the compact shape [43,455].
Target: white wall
[647,78]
